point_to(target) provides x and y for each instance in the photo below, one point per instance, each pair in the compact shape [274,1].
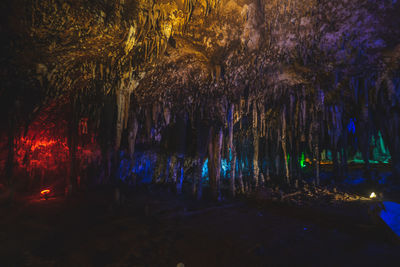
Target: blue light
[355,181]
[224,167]
[124,169]
[204,172]
[143,167]
[391,216]
[351,126]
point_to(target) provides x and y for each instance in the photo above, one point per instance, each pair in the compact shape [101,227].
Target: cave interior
[200,132]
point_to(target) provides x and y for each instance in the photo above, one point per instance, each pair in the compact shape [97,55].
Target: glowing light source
[373,195]
[351,126]
[204,172]
[224,166]
[302,161]
[45,193]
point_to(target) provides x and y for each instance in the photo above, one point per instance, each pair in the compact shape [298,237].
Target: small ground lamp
[45,194]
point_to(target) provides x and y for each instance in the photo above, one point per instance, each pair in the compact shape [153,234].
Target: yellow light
[45,192]
[373,195]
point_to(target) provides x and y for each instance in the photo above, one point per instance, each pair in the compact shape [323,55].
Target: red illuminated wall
[41,154]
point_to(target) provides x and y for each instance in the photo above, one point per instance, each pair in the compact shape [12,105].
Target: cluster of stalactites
[264,139]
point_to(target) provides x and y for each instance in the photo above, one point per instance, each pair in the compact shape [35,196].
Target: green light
[380,153]
[302,161]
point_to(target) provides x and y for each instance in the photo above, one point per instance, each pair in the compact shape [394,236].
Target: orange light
[45,192]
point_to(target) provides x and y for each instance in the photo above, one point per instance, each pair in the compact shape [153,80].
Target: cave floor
[156,228]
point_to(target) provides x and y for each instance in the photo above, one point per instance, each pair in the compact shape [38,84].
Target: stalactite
[173,167]
[303,121]
[167,115]
[215,149]
[297,114]
[131,141]
[197,179]
[261,108]
[121,112]
[155,113]
[241,111]
[123,102]
[283,142]
[240,178]
[231,149]
[179,182]
[256,169]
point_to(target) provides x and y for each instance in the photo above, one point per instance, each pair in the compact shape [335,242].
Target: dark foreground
[155,228]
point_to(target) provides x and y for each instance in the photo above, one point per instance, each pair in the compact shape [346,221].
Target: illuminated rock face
[292,74]
[391,216]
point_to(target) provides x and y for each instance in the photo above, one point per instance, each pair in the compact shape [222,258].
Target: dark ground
[156,228]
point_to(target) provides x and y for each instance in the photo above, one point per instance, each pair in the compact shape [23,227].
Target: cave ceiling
[191,53]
